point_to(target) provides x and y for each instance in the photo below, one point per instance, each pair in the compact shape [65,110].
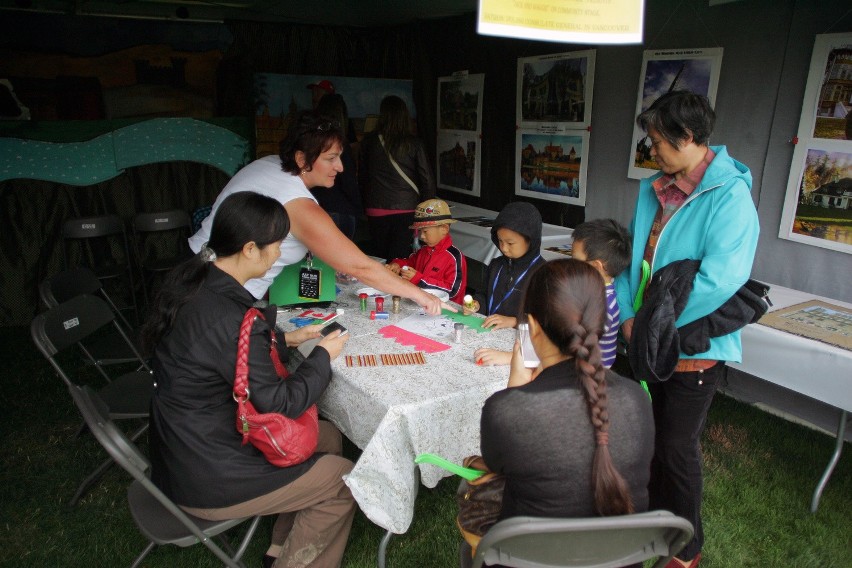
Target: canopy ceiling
[359,13]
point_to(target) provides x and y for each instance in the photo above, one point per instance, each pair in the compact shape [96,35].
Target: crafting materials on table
[419,342]
[458,328]
[380,304]
[363,297]
[396,301]
[416,358]
[379,315]
[361,361]
[309,317]
[472,321]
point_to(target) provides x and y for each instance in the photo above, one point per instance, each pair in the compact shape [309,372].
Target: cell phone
[528,353]
[333,326]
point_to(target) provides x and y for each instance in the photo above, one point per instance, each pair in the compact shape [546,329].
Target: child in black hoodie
[517,233]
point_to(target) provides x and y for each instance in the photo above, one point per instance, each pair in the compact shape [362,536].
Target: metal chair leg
[101,469]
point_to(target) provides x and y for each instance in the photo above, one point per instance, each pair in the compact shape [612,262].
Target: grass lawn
[760,473]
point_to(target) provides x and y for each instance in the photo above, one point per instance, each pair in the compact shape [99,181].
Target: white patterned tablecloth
[394,413]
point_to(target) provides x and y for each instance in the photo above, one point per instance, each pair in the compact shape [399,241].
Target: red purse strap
[241,390]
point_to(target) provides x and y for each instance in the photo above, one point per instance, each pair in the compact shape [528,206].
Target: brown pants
[315,512]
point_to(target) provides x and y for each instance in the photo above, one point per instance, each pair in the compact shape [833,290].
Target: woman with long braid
[572,438]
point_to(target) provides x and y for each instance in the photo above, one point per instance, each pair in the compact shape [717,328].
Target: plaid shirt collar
[664,185]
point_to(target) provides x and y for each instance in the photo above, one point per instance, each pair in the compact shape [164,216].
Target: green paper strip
[466,472]
[471,321]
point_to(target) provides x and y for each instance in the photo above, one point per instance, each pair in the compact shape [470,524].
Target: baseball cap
[325,84]
[430,213]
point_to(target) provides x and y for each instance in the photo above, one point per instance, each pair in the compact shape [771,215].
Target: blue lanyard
[512,289]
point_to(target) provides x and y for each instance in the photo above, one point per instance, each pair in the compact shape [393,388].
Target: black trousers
[680,413]
[391,236]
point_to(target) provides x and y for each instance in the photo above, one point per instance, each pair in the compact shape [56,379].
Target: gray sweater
[539,436]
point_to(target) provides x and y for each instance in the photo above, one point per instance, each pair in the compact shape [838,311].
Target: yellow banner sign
[570,21]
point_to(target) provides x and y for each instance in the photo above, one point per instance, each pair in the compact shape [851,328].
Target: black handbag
[479,501]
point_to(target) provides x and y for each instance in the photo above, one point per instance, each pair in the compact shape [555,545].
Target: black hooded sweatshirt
[507,277]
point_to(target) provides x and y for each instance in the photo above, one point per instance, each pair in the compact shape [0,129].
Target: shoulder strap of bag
[397,168]
[241,390]
[241,372]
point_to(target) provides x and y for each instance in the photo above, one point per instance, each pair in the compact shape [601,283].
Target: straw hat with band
[431,213]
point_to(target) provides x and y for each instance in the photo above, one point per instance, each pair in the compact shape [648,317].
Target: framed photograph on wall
[694,70]
[551,164]
[459,128]
[458,161]
[818,203]
[556,88]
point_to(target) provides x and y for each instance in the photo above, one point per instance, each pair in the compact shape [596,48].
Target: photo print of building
[556,88]
[552,166]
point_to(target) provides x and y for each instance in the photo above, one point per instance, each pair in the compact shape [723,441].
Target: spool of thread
[363,297]
[458,328]
[380,304]
[395,308]
[379,315]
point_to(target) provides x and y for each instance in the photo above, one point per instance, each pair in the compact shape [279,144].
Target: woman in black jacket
[395,176]
[197,455]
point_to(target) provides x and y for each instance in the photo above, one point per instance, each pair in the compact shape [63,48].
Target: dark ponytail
[241,218]
[568,300]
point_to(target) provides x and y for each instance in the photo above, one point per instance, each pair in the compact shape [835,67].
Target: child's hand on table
[500,322]
[487,356]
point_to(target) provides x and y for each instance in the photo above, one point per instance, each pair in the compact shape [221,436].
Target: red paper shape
[404,337]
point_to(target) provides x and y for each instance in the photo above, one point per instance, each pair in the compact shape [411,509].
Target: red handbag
[284,441]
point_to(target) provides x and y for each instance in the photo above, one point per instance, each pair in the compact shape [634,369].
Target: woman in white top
[310,157]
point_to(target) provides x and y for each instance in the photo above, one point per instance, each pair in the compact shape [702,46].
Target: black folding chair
[156,516]
[105,348]
[127,396]
[160,241]
[101,244]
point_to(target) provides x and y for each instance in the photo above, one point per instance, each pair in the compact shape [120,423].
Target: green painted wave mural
[108,155]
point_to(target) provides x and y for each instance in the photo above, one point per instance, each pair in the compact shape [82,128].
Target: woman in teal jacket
[717,225]
[699,208]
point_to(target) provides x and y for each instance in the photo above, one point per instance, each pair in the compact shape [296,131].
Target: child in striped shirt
[605,244]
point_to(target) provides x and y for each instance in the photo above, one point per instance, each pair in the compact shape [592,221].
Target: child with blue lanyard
[517,233]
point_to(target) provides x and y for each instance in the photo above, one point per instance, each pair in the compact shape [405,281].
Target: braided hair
[568,300]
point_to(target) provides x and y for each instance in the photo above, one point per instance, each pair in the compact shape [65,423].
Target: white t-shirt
[266,177]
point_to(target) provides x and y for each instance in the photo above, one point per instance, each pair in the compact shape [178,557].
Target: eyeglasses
[326,126]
